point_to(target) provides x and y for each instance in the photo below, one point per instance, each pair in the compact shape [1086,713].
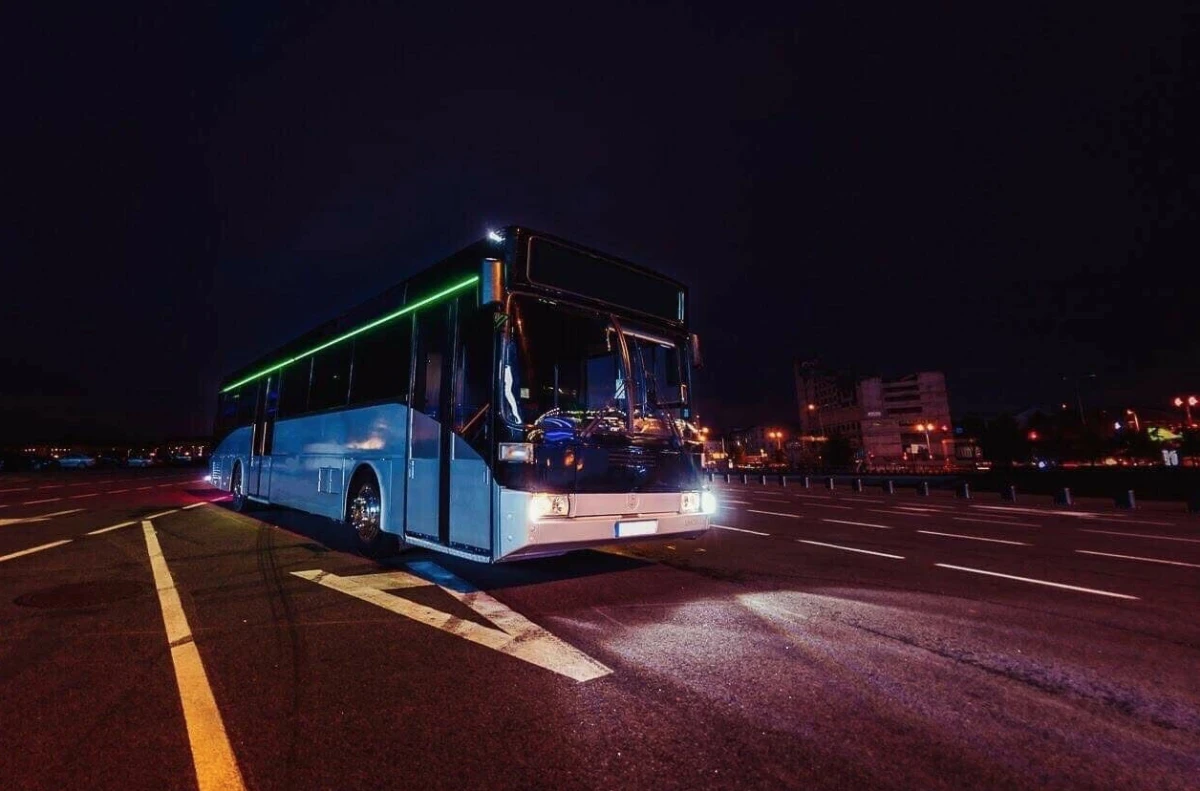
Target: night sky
[1003,195]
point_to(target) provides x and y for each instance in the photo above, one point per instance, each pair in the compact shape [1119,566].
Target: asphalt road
[814,640]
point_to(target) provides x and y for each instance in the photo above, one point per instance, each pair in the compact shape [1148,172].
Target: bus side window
[381,360]
[246,402]
[330,383]
[293,395]
[226,415]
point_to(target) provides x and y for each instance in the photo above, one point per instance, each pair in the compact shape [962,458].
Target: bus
[525,397]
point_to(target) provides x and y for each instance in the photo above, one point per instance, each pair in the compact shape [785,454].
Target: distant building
[894,420]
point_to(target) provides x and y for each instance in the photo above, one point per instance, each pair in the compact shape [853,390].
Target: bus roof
[458,271]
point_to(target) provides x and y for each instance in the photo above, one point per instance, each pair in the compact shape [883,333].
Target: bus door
[259,480]
[426,502]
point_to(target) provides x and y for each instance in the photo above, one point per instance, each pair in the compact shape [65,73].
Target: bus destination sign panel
[585,275]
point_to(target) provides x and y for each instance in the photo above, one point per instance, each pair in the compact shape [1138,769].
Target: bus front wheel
[364,511]
[237,489]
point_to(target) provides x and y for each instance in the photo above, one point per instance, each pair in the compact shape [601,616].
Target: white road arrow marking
[42,518]
[516,635]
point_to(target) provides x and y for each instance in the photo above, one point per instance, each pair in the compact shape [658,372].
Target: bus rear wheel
[364,512]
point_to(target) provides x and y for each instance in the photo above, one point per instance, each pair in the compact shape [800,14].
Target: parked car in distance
[140,459]
[25,462]
[76,461]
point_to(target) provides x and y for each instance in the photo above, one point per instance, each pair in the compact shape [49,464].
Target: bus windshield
[601,404]
[567,376]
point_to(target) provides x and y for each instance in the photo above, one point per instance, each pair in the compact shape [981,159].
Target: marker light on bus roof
[493,236]
[470,281]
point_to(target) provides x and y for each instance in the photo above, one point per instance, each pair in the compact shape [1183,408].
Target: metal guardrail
[962,488]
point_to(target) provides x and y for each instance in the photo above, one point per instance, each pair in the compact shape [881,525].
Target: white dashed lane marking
[974,538]
[31,550]
[39,518]
[1142,535]
[850,549]
[1004,522]
[110,528]
[723,527]
[1037,582]
[1144,560]
[857,524]
[775,513]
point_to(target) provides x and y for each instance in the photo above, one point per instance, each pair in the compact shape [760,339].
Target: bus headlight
[708,502]
[516,451]
[689,503]
[548,505]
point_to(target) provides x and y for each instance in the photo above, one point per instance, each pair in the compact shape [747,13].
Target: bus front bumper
[523,537]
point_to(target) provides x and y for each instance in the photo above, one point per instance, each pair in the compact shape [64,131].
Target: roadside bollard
[858,485]
[963,491]
[889,487]
[806,482]
[829,484]
[763,479]
[923,489]
[745,478]
[726,477]
[711,475]
[1009,494]
[1126,500]
[783,480]
[1063,497]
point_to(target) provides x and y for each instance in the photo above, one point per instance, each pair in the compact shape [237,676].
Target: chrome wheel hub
[364,513]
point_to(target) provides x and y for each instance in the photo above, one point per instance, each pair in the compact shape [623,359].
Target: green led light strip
[406,309]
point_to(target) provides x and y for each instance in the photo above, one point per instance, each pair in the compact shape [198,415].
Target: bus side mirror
[491,282]
[697,358]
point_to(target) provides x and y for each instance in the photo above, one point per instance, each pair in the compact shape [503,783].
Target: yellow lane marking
[513,634]
[216,767]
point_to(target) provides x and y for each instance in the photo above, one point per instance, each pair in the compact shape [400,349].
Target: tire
[364,511]
[237,488]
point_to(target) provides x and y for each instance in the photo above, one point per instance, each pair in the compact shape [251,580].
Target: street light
[1187,405]
[820,423]
[927,427]
[1136,425]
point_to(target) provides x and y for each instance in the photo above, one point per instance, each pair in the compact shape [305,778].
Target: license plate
[642,527]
